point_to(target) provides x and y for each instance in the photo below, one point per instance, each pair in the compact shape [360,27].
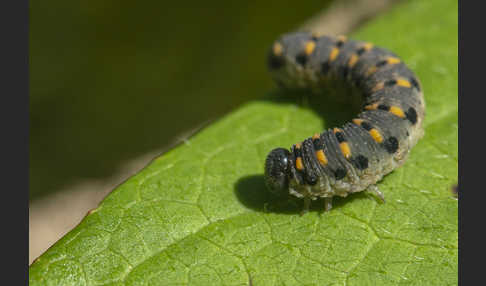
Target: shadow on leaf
[253,194]
[336,104]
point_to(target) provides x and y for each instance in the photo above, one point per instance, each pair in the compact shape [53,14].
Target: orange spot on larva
[345,149]
[371,106]
[309,47]
[403,82]
[298,164]
[353,60]
[376,135]
[392,60]
[321,157]
[277,49]
[333,55]
[397,111]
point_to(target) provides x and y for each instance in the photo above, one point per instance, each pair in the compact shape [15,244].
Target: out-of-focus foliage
[111,80]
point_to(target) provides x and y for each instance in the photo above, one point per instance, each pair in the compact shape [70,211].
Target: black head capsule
[277,170]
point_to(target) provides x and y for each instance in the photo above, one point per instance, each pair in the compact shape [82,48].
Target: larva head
[276,170]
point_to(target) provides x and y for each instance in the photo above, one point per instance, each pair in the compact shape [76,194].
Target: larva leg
[374,190]
[307,201]
[327,204]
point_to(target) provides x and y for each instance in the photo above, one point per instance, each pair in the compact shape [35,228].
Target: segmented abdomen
[358,154]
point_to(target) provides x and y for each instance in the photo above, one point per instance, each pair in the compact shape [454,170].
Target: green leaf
[200,214]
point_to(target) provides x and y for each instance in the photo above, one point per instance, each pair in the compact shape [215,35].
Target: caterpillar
[354,157]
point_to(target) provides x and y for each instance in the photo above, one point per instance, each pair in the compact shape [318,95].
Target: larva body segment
[356,156]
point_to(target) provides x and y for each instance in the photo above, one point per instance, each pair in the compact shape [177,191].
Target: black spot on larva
[384,107]
[391,82]
[340,173]
[325,68]
[361,162]
[340,137]
[317,143]
[314,38]
[411,115]
[360,51]
[381,63]
[297,152]
[275,62]
[301,59]
[391,145]
[366,126]
[311,179]
[414,83]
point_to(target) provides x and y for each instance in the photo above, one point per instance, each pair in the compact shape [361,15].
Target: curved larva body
[354,157]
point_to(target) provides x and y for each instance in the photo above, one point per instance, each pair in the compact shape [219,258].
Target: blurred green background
[112,80]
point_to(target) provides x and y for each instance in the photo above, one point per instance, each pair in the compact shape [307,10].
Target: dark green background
[111,80]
